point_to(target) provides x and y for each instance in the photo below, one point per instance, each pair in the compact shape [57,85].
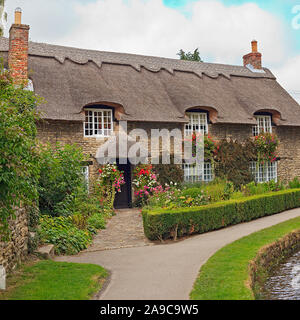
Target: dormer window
[264,124]
[98,123]
[198,123]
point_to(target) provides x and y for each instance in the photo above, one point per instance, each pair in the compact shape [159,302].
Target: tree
[3,17]
[189,56]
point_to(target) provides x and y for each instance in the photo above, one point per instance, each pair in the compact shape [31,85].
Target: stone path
[167,271]
[124,230]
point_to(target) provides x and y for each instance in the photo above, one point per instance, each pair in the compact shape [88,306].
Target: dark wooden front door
[124,198]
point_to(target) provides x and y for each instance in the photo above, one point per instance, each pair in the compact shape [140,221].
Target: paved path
[124,230]
[167,271]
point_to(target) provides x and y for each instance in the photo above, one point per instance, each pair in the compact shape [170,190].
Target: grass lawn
[49,280]
[225,275]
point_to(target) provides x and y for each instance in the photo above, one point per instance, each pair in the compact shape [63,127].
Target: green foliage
[266,145]
[166,223]
[79,201]
[33,217]
[96,221]
[190,56]
[110,181]
[33,242]
[295,183]
[172,197]
[80,221]
[19,161]
[210,147]
[232,161]
[80,215]
[215,191]
[168,173]
[63,234]
[225,276]
[61,175]
[254,188]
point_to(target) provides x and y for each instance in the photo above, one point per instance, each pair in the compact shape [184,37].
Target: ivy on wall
[19,161]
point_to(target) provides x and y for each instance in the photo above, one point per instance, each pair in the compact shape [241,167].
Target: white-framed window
[264,124]
[98,123]
[264,172]
[86,174]
[198,173]
[198,123]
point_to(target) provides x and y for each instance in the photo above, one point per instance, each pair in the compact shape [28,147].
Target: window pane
[264,124]
[198,123]
[264,172]
[98,123]
[197,173]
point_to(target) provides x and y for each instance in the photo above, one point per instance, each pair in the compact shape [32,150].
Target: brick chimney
[18,49]
[253,58]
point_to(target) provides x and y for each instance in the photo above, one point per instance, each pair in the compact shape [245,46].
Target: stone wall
[72,132]
[289,146]
[13,251]
[67,132]
[269,258]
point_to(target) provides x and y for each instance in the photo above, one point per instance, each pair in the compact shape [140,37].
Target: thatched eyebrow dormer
[150,89]
[275,114]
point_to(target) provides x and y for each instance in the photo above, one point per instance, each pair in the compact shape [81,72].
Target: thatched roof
[151,88]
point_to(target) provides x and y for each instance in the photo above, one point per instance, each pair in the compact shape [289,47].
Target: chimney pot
[253,58]
[254,46]
[18,16]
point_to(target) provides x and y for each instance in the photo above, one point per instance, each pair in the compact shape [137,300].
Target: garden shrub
[215,191]
[19,165]
[80,221]
[63,234]
[232,161]
[61,175]
[254,188]
[168,223]
[169,173]
[295,183]
[96,221]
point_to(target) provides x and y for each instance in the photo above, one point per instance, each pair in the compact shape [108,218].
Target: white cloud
[48,20]
[288,76]
[223,34]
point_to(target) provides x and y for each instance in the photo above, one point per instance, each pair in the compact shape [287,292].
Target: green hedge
[163,223]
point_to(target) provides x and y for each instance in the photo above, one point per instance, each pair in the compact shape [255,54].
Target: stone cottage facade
[88,93]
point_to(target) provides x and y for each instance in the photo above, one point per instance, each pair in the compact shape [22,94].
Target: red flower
[142,171]
[100,171]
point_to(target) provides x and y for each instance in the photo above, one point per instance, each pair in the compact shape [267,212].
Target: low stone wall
[13,251]
[270,257]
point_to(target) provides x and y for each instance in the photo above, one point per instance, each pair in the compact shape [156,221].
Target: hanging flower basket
[266,145]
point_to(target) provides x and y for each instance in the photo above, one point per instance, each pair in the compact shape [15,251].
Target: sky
[221,29]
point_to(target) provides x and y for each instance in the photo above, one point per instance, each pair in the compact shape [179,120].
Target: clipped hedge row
[172,223]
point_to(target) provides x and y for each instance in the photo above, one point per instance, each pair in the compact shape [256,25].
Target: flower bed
[162,224]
